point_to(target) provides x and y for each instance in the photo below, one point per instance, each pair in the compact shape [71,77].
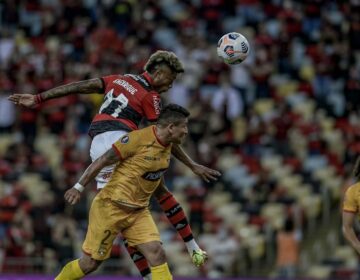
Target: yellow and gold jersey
[352,199]
[144,159]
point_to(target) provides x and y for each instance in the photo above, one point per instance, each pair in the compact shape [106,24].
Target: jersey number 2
[113,105]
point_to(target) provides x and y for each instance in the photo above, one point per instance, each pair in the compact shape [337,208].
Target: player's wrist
[38,98]
[80,188]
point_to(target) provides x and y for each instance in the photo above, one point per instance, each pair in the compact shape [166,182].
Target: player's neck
[162,136]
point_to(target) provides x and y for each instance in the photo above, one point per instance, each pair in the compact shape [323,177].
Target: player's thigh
[103,228]
[103,142]
[161,190]
[142,230]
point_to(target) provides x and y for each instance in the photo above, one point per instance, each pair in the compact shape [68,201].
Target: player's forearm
[90,173]
[180,154]
[82,87]
[351,237]
[109,158]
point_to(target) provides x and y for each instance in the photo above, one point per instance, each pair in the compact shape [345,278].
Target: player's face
[163,79]
[179,132]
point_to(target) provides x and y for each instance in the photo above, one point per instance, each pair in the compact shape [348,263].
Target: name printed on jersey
[125,85]
[154,175]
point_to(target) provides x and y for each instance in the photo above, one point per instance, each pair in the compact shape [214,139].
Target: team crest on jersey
[124,139]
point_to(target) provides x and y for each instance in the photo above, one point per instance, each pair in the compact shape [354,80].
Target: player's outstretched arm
[82,87]
[204,172]
[348,230]
[73,195]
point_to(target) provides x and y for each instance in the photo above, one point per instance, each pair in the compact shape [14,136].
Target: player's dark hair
[164,57]
[356,170]
[172,113]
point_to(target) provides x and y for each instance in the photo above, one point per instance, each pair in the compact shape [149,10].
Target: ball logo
[229,50]
[233,36]
[124,139]
[244,47]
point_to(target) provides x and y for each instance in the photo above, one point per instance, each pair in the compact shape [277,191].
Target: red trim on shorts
[117,151]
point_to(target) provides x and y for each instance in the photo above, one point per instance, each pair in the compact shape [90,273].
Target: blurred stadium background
[283,127]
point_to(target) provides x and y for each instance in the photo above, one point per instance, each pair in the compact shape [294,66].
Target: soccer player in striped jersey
[127,100]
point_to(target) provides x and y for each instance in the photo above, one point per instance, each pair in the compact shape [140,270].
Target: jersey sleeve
[127,145]
[349,204]
[151,104]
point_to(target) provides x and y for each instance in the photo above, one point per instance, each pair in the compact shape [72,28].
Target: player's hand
[72,196]
[206,173]
[23,99]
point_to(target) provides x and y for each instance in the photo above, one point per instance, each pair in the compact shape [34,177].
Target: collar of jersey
[157,139]
[148,78]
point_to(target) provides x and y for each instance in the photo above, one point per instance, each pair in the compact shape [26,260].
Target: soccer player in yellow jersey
[351,209]
[141,158]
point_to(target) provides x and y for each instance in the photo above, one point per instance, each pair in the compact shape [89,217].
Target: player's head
[163,66]
[356,170]
[174,119]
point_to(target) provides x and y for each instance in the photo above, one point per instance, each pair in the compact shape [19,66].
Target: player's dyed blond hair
[164,57]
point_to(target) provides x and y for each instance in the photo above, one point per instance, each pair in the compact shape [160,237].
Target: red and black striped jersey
[128,99]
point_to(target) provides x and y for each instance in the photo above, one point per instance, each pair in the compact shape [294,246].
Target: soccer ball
[233,48]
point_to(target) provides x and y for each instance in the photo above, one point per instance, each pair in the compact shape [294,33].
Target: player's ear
[171,128]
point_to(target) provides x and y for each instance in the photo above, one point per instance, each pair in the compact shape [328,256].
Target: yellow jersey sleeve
[350,204]
[127,145]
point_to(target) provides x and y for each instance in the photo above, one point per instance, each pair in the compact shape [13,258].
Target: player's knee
[88,264]
[157,254]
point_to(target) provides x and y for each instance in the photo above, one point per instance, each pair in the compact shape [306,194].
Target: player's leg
[99,146]
[77,269]
[155,254]
[144,235]
[139,260]
[177,218]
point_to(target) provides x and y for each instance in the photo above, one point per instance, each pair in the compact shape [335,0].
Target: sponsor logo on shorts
[106,175]
[102,250]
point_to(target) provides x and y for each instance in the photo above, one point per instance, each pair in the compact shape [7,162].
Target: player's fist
[72,196]
[23,99]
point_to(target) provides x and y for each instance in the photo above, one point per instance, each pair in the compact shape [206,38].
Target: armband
[79,187]
[38,98]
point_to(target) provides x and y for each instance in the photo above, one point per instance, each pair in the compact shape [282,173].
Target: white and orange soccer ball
[233,48]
